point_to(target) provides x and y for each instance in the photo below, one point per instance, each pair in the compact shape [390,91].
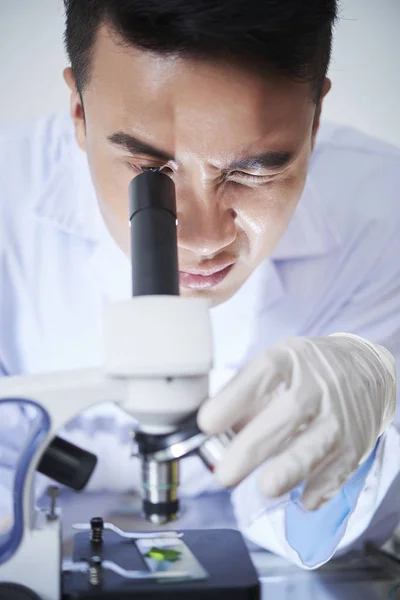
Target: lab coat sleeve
[367,507]
[14,432]
[7,458]
[16,423]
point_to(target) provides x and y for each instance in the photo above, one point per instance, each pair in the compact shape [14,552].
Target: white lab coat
[336,269]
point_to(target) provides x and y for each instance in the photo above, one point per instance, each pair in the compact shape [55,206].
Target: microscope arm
[62,396]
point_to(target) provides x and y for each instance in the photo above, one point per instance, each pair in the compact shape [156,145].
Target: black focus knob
[14,591]
[67,464]
[97,526]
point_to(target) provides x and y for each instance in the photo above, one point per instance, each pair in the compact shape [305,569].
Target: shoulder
[349,218]
[338,136]
[357,178]
[29,151]
[47,134]
[29,155]
[357,175]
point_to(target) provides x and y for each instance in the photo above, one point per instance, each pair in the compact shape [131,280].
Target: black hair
[290,37]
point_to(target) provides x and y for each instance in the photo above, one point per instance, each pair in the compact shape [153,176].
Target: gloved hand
[310,408]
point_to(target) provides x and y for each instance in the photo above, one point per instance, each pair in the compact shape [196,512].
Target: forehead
[202,105]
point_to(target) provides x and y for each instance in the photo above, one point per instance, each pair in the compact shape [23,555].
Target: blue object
[10,541]
[315,535]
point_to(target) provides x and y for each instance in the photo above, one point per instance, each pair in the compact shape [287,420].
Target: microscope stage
[221,553]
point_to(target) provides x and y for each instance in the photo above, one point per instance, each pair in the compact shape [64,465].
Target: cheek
[266,212]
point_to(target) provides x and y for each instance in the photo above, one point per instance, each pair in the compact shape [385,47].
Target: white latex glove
[311,408]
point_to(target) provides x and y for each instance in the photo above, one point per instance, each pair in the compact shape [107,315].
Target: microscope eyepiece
[154,246]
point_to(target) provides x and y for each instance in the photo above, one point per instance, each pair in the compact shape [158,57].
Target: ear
[76,109]
[325,90]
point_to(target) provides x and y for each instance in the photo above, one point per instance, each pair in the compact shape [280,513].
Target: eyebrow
[134,145]
[266,160]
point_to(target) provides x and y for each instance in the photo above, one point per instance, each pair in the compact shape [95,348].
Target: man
[291,231]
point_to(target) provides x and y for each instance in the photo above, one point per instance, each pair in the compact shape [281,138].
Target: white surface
[165,350]
[167,372]
[36,563]
[364,71]
[62,396]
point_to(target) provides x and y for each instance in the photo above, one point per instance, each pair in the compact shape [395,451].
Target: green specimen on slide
[161,554]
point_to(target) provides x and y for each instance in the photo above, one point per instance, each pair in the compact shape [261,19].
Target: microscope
[157,361]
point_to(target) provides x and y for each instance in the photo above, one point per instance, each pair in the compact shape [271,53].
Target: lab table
[358,576]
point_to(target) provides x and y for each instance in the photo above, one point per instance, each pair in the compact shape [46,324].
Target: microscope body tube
[171,357]
[155,272]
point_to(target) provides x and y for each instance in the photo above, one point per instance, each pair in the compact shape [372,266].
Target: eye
[247,178]
[150,169]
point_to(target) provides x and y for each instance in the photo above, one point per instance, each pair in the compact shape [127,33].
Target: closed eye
[150,169]
[247,178]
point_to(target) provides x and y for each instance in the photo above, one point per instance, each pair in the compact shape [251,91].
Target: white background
[365,69]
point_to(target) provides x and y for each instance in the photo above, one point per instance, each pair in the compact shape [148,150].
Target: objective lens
[213,449]
[160,481]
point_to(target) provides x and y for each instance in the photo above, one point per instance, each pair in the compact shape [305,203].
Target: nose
[206,225]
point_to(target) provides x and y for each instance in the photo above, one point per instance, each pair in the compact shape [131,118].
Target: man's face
[236,145]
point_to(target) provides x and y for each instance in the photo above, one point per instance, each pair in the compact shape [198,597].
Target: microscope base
[221,552]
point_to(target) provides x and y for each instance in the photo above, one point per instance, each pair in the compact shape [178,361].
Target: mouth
[202,279]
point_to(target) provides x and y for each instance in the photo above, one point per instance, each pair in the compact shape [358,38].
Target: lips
[202,279]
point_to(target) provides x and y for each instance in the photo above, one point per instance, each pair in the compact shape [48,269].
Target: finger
[305,452]
[327,480]
[255,381]
[264,436]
